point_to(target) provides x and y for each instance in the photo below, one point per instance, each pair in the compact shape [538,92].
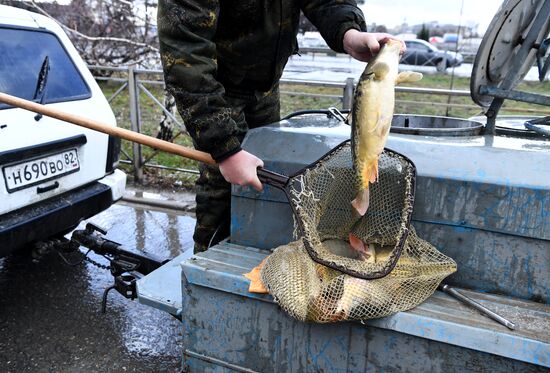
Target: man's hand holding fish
[363,46]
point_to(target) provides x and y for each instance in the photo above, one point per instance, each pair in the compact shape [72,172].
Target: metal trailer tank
[482,197]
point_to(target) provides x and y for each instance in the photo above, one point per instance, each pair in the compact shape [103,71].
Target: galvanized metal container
[428,125]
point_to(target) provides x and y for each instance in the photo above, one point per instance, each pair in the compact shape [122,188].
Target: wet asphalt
[50,319]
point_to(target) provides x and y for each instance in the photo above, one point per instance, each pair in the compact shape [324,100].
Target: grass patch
[294,98]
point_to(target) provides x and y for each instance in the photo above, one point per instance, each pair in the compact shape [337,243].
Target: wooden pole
[110,130]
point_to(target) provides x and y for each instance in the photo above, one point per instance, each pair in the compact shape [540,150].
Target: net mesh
[320,278]
[321,199]
[310,291]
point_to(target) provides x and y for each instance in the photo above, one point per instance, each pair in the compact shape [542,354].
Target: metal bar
[466,106]
[118,91]
[156,151]
[304,94]
[347,100]
[126,154]
[159,83]
[424,91]
[427,91]
[531,98]
[449,290]
[327,51]
[161,167]
[313,83]
[169,114]
[108,68]
[217,362]
[136,126]
[110,79]
[149,72]
[434,91]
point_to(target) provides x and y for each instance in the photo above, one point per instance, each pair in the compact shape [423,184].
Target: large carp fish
[371,121]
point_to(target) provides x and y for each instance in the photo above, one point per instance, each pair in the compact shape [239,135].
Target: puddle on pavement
[50,313]
[153,232]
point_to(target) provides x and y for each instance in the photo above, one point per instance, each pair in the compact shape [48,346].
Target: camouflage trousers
[213,196]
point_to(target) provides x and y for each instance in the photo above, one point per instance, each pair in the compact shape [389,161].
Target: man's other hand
[363,46]
[241,168]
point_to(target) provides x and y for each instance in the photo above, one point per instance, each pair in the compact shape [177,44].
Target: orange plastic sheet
[256,284]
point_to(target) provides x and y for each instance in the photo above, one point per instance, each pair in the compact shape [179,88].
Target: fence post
[347,101]
[133,93]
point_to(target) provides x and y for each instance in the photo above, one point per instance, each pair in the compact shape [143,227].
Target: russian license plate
[28,173]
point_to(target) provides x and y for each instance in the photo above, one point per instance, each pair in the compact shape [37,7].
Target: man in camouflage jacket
[222,62]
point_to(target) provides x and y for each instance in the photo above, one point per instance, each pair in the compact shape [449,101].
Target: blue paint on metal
[162,288]
[440,318]
[459,186]
[494,221]
[464,163]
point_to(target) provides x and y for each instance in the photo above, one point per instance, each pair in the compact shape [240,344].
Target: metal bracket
[125,266]
[532,98]
[337,114]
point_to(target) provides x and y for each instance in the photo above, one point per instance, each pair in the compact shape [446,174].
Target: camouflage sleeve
[333,18]
[186,29]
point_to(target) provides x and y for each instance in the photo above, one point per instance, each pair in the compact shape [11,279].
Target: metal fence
[138,83]
[468,56]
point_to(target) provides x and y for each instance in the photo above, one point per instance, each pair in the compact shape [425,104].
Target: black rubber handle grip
[272,178]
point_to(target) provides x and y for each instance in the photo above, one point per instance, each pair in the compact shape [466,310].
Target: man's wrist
[345,28]
[347,39]
[221,150]
[223,156]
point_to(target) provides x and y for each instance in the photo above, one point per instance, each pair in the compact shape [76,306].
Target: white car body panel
[22,130]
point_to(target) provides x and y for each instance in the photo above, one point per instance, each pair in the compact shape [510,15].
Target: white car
[52,174]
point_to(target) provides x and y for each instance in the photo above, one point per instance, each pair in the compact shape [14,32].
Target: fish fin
[361,202]
[407,77]
[370,255]
[380,70]
[356,243]
[365,251]
[370,172]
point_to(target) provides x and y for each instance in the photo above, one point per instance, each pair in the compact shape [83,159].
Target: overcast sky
[395,12]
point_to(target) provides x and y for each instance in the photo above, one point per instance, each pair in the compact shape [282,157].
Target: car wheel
[441,65]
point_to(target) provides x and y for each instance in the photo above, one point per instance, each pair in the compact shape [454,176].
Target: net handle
[272,178]
[269,177]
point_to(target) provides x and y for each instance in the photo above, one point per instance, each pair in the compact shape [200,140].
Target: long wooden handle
[110,130]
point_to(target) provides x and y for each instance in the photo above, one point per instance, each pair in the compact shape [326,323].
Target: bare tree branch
[93,38]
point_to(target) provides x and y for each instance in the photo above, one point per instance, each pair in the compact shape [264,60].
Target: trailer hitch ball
[125,284]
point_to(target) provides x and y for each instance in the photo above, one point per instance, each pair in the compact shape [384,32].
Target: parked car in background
[52,174]
[311,39]
[421,53]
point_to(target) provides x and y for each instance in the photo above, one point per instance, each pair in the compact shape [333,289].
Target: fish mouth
[394,44]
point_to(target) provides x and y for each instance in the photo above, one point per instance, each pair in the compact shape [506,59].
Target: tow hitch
[125,266]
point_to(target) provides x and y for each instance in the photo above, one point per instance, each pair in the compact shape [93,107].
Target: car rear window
[22,53]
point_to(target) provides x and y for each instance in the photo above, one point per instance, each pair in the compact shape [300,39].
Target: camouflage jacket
[210,48]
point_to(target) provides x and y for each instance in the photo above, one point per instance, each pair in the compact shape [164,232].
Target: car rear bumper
[59,214]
